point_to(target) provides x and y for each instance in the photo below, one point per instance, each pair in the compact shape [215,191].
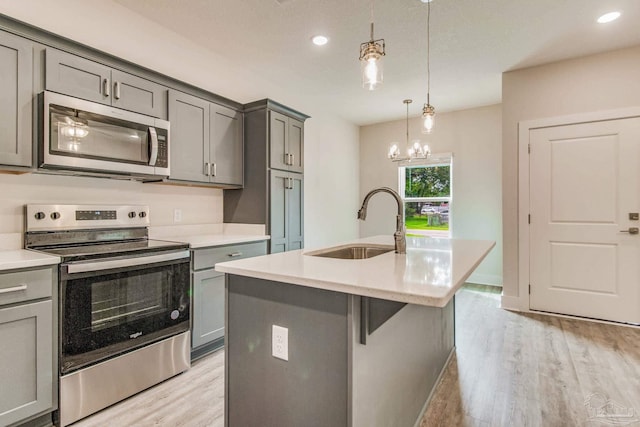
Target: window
[426,191]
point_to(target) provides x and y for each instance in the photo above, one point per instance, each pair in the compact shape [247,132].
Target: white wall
[593,83]
[141,41]
[474,138]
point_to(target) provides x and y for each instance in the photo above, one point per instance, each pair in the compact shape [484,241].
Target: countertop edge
[22,258]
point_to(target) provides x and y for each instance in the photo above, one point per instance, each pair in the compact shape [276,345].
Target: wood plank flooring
[510,369]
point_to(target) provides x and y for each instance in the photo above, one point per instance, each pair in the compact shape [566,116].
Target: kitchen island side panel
[396,371]
[311,388]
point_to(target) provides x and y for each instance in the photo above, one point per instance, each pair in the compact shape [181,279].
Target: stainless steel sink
[358,251]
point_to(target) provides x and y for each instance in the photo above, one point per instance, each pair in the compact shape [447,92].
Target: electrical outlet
[177,215]
[280,342]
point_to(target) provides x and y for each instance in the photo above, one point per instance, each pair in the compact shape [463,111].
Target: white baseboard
[485,279]
[513,303]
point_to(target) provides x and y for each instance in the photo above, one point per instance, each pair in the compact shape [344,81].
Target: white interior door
[584,184]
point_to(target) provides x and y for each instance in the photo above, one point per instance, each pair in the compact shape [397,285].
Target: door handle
[105,87]
[153,146]
[235,254]
[207,169]
[116,90]
[292,160]
[631,230]
[215,169]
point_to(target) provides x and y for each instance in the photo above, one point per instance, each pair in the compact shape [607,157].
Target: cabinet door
[189,138]
[26,361]
[296,145]
[278,135]
[227,145]
[208,302]
[76,76]
[295,212]
[16,76]
[278,208]
[137,94]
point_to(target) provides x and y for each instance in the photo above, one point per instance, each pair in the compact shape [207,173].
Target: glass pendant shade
[428,118]
[372,66]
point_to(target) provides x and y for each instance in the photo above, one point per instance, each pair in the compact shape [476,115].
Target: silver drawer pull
[235,254]
[13,289]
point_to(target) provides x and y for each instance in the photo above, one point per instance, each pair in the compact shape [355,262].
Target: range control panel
[58,217]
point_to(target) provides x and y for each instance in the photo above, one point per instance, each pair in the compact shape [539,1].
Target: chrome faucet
[399,235]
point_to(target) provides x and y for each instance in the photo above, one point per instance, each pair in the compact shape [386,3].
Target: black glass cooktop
[78,252]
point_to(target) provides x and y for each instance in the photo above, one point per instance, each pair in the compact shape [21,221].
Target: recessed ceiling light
[608,17]
[320,40]
[426,1]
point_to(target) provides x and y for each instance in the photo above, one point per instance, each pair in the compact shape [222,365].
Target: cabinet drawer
[25,285]
[207,258]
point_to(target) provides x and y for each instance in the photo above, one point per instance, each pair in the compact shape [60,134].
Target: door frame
[521,302]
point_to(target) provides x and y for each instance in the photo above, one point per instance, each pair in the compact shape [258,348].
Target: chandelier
[414,151]
[371,54]
[428,112]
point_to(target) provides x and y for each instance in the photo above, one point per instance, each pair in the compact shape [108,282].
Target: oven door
[79,134]
[112,306]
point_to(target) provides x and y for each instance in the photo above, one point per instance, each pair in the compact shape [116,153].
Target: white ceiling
[472,43]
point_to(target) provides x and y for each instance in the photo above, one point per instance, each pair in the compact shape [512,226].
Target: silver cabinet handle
[286,158]
[105,87]
[13,289]
[153,152]
[235,254]
[631,230]
[116,90]
[292,160]
[215,169]
[207,169]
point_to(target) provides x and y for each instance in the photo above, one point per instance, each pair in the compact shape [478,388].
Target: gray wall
[474,138]
[592,83]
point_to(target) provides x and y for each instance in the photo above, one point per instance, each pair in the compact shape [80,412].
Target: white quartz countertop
[429,273]
[208,240]
[21,258]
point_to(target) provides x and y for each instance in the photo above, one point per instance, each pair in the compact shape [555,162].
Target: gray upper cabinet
[76,76]
[189,118]
[273,188]
[286,142]
[16,79]
[206,141]
[227,146]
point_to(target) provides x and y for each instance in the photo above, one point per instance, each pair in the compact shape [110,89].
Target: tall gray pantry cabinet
[273,192]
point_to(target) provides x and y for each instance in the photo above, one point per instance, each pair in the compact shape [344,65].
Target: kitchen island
[365,340]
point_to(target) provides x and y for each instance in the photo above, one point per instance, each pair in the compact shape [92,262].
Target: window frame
[442,159]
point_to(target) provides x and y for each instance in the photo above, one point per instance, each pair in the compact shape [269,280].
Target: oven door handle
[122,263]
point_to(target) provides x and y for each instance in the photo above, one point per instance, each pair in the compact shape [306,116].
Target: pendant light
[415,151]
[371,54]
[428,112]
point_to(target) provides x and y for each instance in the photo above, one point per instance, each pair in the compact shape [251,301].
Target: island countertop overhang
[429,273]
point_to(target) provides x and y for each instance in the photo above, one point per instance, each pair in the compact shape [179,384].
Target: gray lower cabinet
[207,141]
[273,184]
[80,77]
[207,328]
[286,211]
[27,352]
[16,93]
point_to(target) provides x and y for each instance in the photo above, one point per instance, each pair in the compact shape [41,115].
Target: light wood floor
[510,369]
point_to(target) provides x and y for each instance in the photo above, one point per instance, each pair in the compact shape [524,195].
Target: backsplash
[198,205]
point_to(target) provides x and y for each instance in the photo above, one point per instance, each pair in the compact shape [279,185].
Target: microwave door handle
[153,152]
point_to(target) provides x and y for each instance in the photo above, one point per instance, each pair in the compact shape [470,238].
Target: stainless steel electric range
[123,302]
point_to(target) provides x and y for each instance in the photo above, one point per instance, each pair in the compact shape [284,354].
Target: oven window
[122,300]
[104,314]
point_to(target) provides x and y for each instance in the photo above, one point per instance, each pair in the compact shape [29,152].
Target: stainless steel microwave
[79,135]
